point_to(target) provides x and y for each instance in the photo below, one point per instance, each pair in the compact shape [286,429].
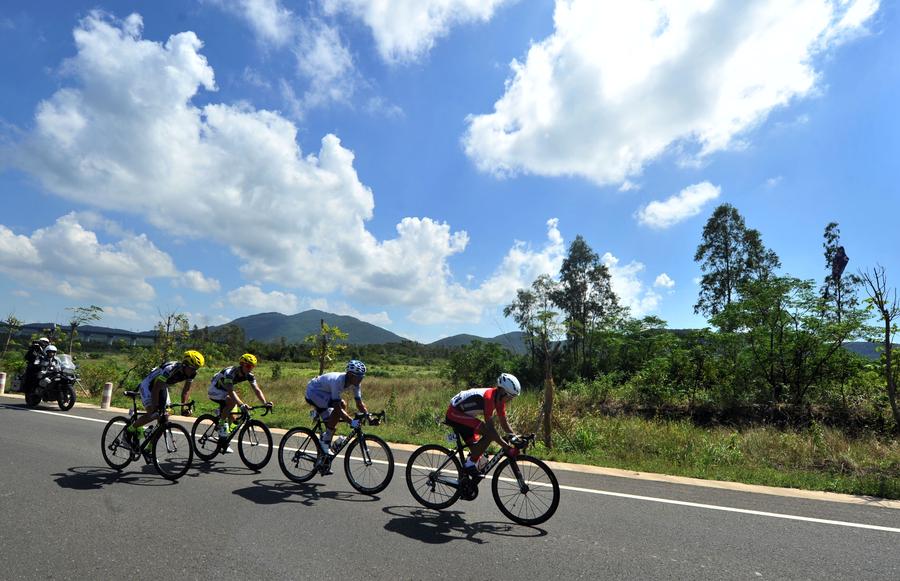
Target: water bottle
[482,462]
[148,431]
[336,443]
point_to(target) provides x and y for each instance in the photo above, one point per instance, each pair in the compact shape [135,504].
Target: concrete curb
[619,473]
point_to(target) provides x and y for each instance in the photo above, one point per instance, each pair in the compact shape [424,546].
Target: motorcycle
[56,382]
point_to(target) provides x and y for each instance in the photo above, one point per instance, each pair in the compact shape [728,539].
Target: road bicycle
[254,438]
[368,462]
[167,447]
[524,488]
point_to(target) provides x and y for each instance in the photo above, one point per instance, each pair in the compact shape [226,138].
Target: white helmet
[44,341]
[508,383]
[51,349]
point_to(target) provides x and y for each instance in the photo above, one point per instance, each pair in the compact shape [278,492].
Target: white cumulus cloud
[253,298]
[627,285]
[683,205]
[619,83]
[664,281]
[404,30]
[69,260]
[125,135]
[196,280]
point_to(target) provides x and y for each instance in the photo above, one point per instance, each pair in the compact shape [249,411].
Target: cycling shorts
[321,401]
[147,396]
[463,423]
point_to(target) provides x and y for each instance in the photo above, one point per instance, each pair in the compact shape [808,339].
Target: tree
[791,346]
[12,327]
[839,291]
[522,310]
[80,316]
[325,346]
[730,255]
[585,295]
[172,331]
[886,303]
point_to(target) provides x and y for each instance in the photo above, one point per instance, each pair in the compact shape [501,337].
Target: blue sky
[414,162]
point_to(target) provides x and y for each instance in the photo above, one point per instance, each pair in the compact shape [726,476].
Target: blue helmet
[356,367]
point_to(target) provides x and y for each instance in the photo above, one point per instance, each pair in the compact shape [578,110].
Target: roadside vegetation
[765,394]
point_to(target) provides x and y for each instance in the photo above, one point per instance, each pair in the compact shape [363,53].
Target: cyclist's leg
[489,434]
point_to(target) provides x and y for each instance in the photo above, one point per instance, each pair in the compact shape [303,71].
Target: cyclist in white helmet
[466,405]
[324,394]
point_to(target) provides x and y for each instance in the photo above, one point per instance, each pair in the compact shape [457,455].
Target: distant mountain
[868,350]
[268,327]
[514,341]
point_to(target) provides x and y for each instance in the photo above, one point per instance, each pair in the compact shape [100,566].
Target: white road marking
[625,495]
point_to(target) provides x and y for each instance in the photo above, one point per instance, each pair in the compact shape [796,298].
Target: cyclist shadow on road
[217,467]
[96,477]
[307,494]
[435,527]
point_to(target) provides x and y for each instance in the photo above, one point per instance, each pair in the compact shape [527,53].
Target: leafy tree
[523,312]
[585,295]
[325,346]
[730,255]
[13,325]
[478,364]
[839,290]
[80,316]
[790,345]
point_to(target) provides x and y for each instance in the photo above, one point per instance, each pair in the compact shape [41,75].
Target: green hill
[514,341]
[267,327]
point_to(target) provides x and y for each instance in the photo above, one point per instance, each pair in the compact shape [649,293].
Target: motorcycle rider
[33,359]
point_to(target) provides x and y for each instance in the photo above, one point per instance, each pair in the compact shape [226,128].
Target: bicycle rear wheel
[255,445]
[369,464]
[205,437]
[525,490]
[298,454]
[172,451]
[433,475]
[115,443]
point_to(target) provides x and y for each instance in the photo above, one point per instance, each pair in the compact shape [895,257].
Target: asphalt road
[65,515]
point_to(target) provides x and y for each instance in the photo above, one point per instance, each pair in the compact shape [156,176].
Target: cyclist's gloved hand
[270,404]
[354,424]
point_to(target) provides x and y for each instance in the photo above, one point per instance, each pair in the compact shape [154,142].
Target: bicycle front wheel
[433,474]
[255,445]
[298,454]
[115,443]
[525,490]
[205,437]
[369,464]
[172,451]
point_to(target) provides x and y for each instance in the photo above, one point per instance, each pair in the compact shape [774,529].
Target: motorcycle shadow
[97,477]
[437,527]
[307,494]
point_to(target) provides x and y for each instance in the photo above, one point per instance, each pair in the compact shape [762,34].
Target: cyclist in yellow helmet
[221,389]
[155,387]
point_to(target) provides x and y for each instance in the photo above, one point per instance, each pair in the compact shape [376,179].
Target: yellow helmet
[248,358]
[193,358]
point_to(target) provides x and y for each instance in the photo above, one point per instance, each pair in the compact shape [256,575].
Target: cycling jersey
[465,405]
[223,382]
[472,402]
[170,373]
[330,385]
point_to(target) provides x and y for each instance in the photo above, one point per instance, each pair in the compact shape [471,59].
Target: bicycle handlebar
[269,409]
[370,418]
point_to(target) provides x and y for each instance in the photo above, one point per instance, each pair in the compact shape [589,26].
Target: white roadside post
[2,383]
[106,396]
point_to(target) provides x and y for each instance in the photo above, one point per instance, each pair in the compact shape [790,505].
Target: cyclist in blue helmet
[324,394]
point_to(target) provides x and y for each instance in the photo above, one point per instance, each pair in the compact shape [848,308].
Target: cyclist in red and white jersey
[489,402]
